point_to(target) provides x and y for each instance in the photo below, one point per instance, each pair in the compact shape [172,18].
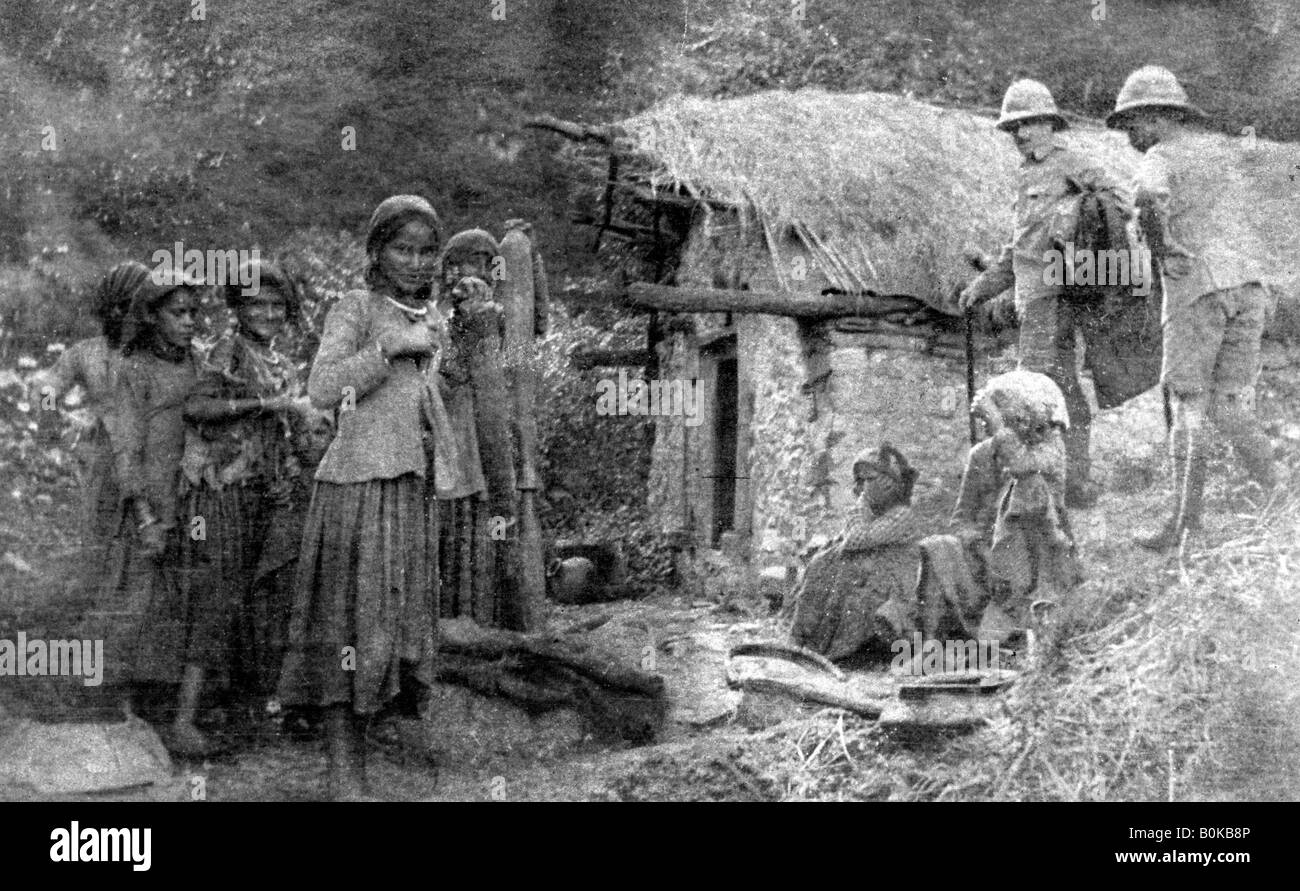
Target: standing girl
[92,364]
[175,616]
[366,593]
[479,492]
[245,446]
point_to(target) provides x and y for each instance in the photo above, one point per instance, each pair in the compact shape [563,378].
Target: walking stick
[979,263]
[968,317]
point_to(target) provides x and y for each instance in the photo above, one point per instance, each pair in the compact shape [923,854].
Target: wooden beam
[570,130]
[805,305]
[629,231]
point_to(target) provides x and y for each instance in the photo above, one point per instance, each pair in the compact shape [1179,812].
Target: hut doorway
[722,370]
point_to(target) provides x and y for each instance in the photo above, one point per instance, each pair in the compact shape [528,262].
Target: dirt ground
[711,748]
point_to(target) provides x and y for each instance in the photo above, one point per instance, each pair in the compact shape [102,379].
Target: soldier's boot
[1080,491]
[1189,495]
[1250,443]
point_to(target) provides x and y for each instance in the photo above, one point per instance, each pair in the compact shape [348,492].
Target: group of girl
[206,572]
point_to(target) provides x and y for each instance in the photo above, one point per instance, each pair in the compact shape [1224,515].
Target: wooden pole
[525,317]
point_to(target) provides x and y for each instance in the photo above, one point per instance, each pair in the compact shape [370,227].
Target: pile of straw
[1175,681]
[1188,693]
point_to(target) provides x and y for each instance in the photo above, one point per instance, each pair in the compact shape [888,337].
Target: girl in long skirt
[247,441]
[366,592]
[480,493]
[174,615]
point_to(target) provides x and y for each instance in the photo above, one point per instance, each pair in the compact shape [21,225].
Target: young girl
[92,364]
[246,444]
[366,592]
[481,490]
[175,614]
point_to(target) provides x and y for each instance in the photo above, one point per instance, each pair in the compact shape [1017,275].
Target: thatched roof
[1273,171]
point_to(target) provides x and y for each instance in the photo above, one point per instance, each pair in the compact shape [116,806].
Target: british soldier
[1051,180]
[1194,208]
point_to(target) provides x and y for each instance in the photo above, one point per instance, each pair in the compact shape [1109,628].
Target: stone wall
[811,399]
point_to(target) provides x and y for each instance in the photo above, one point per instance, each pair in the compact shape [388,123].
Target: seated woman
[1010,546]
[835,603]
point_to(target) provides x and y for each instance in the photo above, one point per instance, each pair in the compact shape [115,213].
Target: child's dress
[93,365]
[366,589]
[242,476]
[163,611]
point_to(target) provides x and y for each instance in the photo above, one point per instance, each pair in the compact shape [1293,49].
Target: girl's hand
[471,290]
[280,403]
[153,539]
[415,341]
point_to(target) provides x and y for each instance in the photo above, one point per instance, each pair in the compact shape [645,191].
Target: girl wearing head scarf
[92,364]
[480,491]
[834,606]
[366,590]
[173,617]
[247,440]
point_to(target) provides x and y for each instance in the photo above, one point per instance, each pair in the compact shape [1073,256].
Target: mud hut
[801,256]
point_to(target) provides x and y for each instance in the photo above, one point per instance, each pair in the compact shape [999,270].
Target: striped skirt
[365,594]
[236,525]
[157,614]
[468,561]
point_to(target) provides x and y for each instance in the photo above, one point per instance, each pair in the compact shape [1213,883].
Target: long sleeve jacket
[386,409]
[147,447]
[1049,185]
[1197,211]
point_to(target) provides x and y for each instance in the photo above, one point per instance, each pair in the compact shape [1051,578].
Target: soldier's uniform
[1050,183]
[1195,208]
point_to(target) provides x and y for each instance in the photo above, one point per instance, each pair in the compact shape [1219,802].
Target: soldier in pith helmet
[1195,209]
[1051,180]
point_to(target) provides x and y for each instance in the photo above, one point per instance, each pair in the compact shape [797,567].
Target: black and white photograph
[868,401]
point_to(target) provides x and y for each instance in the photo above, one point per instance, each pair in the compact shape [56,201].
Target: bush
[595,468]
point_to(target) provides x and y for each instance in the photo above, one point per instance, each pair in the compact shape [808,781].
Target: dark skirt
[101,499]
[155,615]
[246,553]
[836,603]
[467,561]
[367,581]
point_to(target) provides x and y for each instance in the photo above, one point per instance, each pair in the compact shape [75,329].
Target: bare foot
[186,740]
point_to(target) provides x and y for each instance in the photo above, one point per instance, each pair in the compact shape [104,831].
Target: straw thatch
[887,194]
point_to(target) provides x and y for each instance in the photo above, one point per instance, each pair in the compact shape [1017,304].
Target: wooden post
[525,316]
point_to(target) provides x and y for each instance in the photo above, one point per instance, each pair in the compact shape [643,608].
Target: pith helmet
[1026,100]
[1151,87]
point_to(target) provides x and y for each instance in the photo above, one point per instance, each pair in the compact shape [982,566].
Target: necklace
[417,311]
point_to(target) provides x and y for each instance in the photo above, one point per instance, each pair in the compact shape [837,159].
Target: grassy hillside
[229,131]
